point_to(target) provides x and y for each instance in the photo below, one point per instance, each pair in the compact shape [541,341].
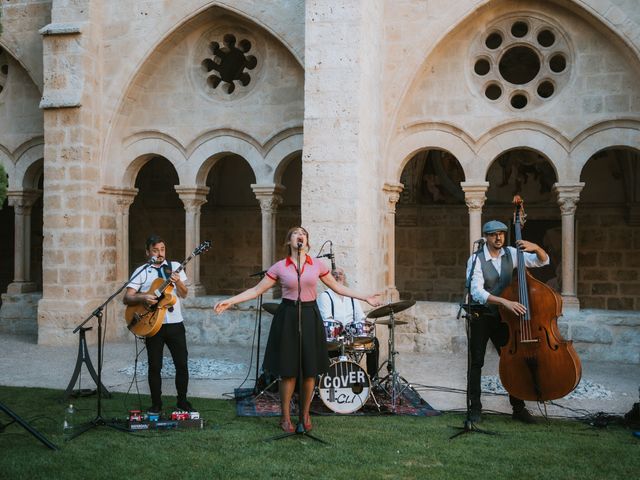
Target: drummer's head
[339,275]
[294,236]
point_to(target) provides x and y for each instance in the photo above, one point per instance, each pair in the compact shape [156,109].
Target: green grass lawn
[358,447]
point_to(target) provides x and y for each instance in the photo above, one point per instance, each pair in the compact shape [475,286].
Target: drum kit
[346,387]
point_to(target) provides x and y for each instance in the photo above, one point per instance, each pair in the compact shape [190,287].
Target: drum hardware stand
[98,421]
[393,378]
[26,426]
[300,430]
[393,384]
[471,311]
[259,319]
[357,357]
[83,357]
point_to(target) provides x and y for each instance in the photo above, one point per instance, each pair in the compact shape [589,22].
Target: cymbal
[389,308]
[387,321]
[270,307]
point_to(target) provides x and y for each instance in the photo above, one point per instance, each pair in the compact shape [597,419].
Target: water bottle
[69,420]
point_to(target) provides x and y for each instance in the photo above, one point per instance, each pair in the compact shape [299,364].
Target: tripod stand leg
[27,427]
[83,357]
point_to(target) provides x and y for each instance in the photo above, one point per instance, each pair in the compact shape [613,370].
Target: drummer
[347,310]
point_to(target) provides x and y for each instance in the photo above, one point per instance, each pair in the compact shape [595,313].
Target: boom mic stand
[98,421]
[471,311]
[26,426]
[299,431]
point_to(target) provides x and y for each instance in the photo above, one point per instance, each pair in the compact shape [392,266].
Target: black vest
[494,283]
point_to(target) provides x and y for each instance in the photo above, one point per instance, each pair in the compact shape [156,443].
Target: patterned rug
[267,404]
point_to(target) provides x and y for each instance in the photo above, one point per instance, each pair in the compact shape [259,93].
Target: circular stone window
[520,62]
[519,65]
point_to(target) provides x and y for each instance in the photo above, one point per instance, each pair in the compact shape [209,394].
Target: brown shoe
[523,416]
[286,426]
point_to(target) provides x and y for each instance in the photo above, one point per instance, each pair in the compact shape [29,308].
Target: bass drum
[345,388]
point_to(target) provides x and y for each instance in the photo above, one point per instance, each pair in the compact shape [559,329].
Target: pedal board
[177,420]
[136,426]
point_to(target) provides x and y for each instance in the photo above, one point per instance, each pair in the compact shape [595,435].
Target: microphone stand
[98,421]
[299,431]
[471,311]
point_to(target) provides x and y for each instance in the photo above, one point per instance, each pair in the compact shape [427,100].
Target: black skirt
[281,355]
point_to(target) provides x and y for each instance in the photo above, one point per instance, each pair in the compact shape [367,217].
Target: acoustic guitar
[144,320]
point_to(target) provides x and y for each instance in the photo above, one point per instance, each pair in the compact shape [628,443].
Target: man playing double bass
[492,273]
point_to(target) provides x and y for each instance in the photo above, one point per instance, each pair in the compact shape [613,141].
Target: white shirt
[343,311]
[478,293]
[142,283]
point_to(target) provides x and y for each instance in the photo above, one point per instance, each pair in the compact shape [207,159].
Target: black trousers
[482,329]
[173,336]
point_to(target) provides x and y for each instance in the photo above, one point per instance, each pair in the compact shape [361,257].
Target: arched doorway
[608,233]
[431,228]
[157,209]
[231,219]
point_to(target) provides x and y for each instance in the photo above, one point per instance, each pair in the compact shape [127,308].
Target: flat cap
[494,226]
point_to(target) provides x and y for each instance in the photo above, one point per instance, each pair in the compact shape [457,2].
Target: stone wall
[431,251]
[433,327]
[608,259]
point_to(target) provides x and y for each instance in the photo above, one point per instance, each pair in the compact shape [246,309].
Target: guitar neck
[177,270]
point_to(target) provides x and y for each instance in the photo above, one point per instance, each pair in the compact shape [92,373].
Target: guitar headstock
[203,247]
[518,215]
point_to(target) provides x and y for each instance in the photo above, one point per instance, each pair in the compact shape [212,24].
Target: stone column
[124,197]
[474,197]
[193,198]
[22,202]
[392,194]
[270,197]
[568,196]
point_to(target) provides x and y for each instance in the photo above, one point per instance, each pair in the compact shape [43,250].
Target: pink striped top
[287,273]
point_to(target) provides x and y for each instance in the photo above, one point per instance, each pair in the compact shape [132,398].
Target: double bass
[536,364]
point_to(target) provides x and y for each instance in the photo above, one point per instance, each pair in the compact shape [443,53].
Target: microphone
[152,260]
[299,245]
[480,242]
[258,274]
[332,257]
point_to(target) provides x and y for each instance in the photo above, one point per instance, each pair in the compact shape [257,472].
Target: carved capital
[124,197]
[475,195]
[22,200]
[269,196]
[192,197]
[392,192]
[568,197]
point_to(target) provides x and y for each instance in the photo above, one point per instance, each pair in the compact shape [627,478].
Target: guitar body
[146,321]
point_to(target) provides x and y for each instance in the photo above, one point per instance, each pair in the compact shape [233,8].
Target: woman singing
[281,355]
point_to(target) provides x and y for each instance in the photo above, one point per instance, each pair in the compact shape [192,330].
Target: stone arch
[29,166]
[540,141]
[282,152]
[607,135]
[8,46]
[208,151]
[444,138]
[143,149]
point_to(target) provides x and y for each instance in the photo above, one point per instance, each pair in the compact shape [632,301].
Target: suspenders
[333,312]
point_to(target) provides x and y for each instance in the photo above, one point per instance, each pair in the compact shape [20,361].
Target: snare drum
[345,388]
[333,330]
[362,332]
